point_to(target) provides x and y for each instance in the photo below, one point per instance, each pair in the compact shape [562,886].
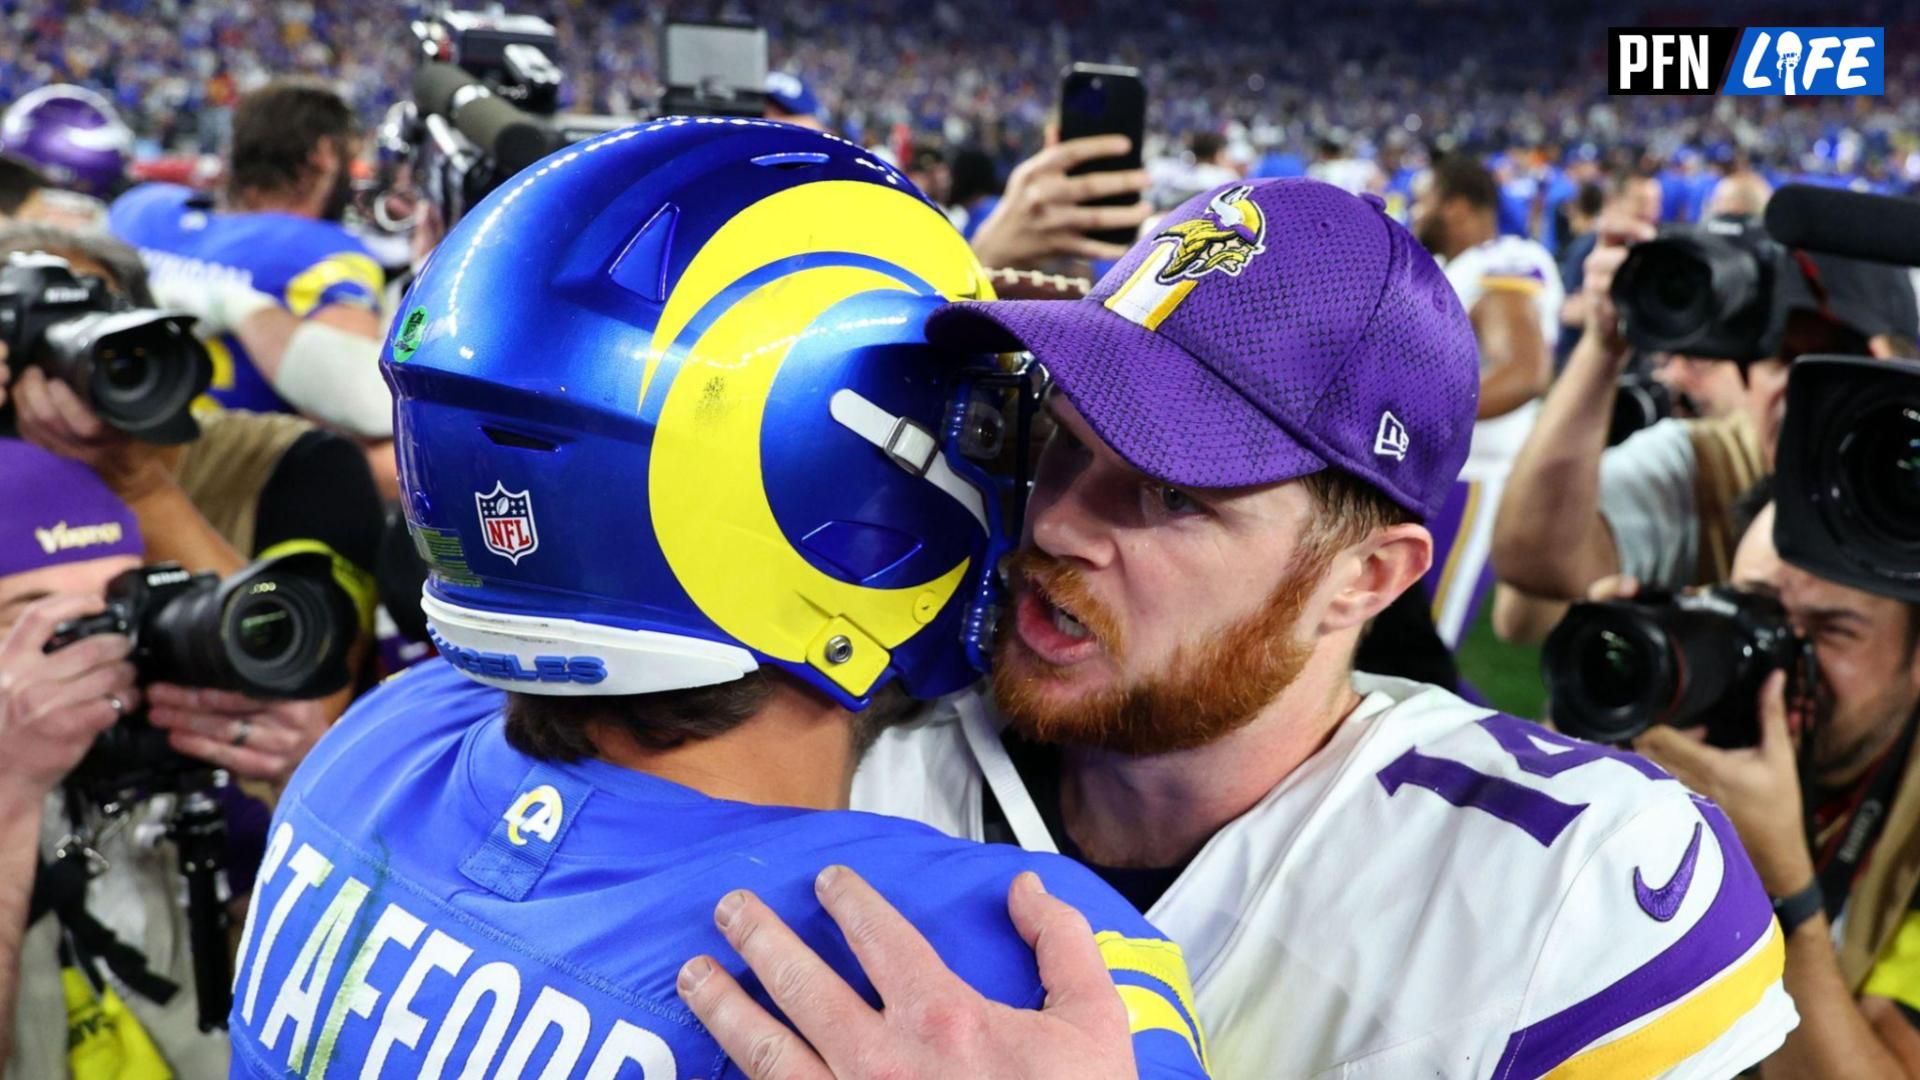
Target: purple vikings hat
[1266,331]
[53,510]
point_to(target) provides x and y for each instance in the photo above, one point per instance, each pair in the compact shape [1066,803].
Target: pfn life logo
[1774,61]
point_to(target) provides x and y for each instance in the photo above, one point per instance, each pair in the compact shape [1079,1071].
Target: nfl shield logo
[506,522]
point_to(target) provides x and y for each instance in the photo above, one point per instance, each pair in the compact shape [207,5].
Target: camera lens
[1674,292]
[1880,465]
[124,376]
[266,629]
[1613,671]
[140,369]
[1609,670]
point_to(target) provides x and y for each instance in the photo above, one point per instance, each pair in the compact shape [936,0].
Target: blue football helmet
[666,415]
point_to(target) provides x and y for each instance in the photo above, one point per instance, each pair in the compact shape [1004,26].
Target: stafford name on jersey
[299,998]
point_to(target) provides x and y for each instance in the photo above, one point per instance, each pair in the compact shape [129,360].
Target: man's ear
[1378,570]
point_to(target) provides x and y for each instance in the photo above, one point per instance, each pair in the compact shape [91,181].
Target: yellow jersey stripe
[1526,285]
[1162,962]
[1148,1011]
[305,288]
[1687,1028]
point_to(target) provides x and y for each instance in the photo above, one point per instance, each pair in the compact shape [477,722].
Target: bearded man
[1369,877]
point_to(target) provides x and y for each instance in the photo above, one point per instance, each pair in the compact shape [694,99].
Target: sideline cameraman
[51,708]
[253,485]
[1863,801]
[1659,506]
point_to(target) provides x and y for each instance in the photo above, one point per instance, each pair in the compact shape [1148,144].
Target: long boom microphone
[1877,228]
[511,138]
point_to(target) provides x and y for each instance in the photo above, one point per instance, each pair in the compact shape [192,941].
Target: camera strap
[60,889]
[1850,846]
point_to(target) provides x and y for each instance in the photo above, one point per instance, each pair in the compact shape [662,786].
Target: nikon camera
[1615,669]
[138,369]
[281,628]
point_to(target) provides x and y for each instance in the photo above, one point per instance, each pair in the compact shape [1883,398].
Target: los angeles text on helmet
[305,1023]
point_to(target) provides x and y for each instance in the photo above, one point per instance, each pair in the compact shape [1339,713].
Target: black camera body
[281,628]
[1616,668]
[139,369]
[1703,290]
[1639,401]
[1848,484]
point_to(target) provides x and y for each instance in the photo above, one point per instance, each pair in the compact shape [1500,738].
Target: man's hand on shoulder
[934,1025]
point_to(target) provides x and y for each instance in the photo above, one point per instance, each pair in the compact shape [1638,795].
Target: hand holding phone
[1100,99]
[1047,213]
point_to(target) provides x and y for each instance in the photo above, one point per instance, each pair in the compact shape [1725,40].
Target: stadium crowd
[1159,649]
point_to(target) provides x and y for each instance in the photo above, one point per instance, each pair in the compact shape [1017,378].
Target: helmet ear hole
[500,436]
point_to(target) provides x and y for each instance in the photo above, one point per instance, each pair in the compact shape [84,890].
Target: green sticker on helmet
[412,330]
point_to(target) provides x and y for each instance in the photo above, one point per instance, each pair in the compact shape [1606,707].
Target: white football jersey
[1440,891]
[1507,264]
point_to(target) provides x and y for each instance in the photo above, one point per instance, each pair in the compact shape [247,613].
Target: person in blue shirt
[288,300]
[703,512]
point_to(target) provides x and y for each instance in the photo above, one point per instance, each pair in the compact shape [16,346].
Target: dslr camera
[138,369]
[280,628]
[1702,290]
[1615,669]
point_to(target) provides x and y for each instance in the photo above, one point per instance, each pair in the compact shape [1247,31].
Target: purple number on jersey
[1536,813]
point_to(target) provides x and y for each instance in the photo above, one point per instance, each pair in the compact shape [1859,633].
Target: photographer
[290,299]
[127,984]
[1861,797]
[1658,507]
[252,485]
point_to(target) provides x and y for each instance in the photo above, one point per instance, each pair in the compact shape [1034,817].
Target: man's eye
[1175,501]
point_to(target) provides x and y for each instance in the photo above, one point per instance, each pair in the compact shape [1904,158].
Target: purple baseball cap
[1267,330]
[57,511]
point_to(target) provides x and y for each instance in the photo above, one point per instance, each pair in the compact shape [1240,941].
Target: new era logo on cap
[1392,439]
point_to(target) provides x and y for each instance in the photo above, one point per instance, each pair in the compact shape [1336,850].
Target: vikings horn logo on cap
[1226,236]
[1229,234]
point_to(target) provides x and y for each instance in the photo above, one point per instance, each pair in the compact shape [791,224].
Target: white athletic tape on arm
[334,375]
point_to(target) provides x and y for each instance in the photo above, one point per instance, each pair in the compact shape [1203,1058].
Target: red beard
[1206,691]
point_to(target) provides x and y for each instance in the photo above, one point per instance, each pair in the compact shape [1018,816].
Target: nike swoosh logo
[1663,903]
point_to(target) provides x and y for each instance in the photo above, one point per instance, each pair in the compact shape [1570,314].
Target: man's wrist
[147,481]
[1786,873]
[22,800]
[1608,345]
[1794,909]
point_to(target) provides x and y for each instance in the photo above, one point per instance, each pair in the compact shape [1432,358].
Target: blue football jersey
[306,264]
[435,903]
